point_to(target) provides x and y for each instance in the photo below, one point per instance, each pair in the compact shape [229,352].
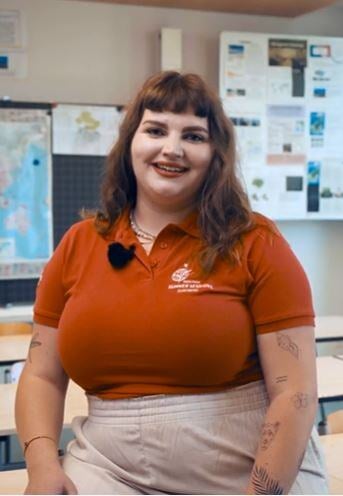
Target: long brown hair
[224,211]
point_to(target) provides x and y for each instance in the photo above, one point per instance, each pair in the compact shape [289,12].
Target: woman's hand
[49,479]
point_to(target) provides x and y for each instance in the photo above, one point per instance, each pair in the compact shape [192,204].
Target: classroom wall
[100,53]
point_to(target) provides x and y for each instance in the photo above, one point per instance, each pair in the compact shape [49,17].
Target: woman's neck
[153,219]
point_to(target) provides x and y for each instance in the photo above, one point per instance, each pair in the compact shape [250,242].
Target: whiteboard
[284,94]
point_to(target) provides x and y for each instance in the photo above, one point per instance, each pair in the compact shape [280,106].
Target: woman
[185,317]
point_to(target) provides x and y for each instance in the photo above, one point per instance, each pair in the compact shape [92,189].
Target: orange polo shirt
[155,326]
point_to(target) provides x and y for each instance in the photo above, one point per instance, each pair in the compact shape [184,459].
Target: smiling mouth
[173,169]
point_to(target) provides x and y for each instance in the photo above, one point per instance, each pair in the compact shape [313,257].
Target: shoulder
[80,233]
[82,227]
[263,223]
[265,248]
[263,229]
[264,243]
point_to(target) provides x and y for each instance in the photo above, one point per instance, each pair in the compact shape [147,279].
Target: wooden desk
[329,328]
[23,313]
[333,449]
[330,378]
[14,481]
[75,405]
[14,348]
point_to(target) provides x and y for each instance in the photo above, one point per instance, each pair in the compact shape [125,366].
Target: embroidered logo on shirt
[181,274]
[185,285]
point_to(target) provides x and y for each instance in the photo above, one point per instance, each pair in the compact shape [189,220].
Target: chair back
[11,328]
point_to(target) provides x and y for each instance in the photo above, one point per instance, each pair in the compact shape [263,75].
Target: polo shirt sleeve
[50,292]
[279,295]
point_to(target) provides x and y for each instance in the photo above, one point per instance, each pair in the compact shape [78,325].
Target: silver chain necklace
[140,233]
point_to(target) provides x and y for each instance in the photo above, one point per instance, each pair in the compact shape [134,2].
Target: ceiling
[280,8]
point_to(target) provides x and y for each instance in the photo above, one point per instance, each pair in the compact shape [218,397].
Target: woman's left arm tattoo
[286,344]
[263,483]
[301,400]
[268,433]
[34,343]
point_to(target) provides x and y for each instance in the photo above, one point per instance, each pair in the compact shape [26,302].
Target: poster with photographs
[284,95]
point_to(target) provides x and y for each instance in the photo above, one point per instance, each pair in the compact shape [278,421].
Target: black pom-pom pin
[119,256]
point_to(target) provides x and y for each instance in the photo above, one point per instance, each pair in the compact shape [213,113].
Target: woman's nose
[173,147]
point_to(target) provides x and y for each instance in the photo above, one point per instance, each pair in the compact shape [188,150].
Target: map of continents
[25,192]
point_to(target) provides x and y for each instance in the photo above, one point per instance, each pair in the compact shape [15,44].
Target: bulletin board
[284,94]
[80,138]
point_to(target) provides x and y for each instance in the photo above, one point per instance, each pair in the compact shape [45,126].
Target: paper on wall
[85,129]
[286,135]
[278,193]
[244,75]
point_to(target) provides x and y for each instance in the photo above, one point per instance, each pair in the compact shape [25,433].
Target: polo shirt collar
[122,230]
[190,225]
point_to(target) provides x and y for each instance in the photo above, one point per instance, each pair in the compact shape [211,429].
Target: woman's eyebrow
[196,128]
[187,128]
[155,123]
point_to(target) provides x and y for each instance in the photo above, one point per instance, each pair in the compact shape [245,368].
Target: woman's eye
[155,131]
[195,138]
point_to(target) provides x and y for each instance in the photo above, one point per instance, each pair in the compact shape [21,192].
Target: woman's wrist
[41,452]
[42,464]
[36,438]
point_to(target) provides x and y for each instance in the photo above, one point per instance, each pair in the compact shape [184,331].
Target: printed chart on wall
[85,129]
[284,94]
[25,192]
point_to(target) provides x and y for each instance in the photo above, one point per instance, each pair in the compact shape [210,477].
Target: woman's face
[170,155]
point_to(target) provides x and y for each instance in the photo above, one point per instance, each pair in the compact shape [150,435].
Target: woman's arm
[39,412]
[288,362]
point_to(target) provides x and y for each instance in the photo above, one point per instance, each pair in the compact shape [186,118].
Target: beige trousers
[178,444]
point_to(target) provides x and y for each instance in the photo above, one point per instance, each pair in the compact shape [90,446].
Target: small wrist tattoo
[263,483]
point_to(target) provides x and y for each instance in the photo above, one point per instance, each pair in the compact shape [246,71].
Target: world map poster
[26,239]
